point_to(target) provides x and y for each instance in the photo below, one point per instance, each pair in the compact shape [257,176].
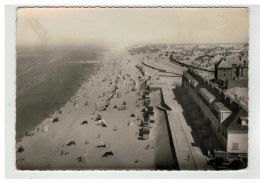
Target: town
[212,92]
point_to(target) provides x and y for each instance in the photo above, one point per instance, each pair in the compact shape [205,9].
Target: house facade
[227,118]
[229,74]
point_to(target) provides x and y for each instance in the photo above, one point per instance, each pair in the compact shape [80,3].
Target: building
[227,118]
[229,73]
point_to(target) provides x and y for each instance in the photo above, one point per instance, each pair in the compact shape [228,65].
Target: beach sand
[48,149]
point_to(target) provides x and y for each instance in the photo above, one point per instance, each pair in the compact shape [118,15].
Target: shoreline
[48,148]
[41,115]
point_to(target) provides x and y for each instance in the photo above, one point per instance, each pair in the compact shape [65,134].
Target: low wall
[236,83]
[190,66]
[146,64]
[163,102]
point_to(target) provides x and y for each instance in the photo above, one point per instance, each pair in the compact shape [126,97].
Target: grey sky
[127,26]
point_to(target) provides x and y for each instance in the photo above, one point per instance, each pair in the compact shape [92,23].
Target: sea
[46,79]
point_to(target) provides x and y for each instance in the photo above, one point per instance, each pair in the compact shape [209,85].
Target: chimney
[245,63]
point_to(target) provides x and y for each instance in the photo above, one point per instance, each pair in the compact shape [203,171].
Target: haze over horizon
[130,26]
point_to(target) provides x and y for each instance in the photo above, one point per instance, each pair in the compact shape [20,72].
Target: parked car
[219,163]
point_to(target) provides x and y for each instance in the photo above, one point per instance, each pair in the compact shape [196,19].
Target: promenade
[188,153]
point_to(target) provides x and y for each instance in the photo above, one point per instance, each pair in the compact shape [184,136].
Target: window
[234,146]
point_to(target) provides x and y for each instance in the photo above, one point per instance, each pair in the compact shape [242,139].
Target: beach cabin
[149,110]
[147,102]
[146,132]
[151,118]
[146,121]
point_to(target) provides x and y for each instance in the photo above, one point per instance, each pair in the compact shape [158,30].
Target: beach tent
[115,106]
[132,115]
[84,122]
[29,134]
[82,158]
[98,117]
[20,149]
[103,109]
[108,153]
[71,143]
[56,119]
[103,123]
[138,161]
[102,144]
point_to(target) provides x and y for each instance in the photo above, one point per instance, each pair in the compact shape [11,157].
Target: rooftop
[236,125]
[221,107]
[207,95]
[223,64]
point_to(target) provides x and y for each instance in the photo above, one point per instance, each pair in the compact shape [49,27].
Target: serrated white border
[8,92]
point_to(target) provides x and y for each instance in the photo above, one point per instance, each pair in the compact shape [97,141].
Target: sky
[131,26]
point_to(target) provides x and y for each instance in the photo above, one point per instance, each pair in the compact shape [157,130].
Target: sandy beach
[78,140]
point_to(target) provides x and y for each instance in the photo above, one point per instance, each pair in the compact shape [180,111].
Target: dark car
[237,164]
[221,163]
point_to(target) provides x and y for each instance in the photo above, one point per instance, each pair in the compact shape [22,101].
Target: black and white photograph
[132,88]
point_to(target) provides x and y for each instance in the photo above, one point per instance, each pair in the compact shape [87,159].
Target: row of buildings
[228,118]
[148,114]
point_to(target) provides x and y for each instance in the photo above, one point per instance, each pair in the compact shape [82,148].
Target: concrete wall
[241,139]
[236,83]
